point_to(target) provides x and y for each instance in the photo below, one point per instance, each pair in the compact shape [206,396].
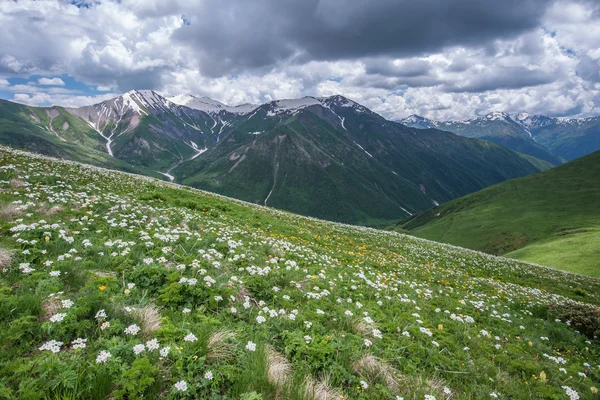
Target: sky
[443,59]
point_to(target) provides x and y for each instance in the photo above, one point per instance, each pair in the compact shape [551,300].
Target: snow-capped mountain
[548,138]
[144,126]
[209,105]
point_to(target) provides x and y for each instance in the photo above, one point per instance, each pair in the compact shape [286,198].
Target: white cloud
[22,98]
[65,100]
[116,46]
[51,82]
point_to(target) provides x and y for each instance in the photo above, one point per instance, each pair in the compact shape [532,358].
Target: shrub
[583,317]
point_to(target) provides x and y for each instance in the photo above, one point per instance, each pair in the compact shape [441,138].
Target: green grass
[552,218]
[574,251]
[331,308]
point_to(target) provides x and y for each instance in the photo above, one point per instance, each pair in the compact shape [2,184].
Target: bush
[137,381]
[583,317]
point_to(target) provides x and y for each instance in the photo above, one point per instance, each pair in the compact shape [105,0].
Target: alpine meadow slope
[119,286]
[327,157]
[551,218]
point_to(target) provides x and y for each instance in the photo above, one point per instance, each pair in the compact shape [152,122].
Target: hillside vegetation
[124,287]
[551,218]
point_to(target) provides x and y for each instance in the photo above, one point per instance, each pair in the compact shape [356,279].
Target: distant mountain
[211,106]
[551,218]
[551,139]
[569,138]
[328,157]
[497,127]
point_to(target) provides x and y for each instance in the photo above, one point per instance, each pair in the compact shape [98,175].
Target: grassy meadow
[116,286]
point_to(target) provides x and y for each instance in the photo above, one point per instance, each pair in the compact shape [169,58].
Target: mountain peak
[497,116]
[338,100]
[417,121]
[522,116]
[209,105]
[413,118]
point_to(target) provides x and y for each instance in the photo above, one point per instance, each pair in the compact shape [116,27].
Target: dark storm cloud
[502,78]
[237,34]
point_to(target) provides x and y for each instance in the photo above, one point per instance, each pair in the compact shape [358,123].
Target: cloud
[21,98]
[230,36]
[39,99]
[589,69]
[439,58]
[501,78]
[51,82]
[4,82]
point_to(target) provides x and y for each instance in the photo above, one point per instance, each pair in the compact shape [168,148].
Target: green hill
[115,286]
[551,218]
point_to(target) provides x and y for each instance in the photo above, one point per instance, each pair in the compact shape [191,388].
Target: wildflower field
[115,286]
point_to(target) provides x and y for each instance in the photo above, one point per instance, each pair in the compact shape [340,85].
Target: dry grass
[435,385]
[9,211]
[320,390]
[374,369]
[49,211]
[50,306]
[279,368]
[5,258]
[149,318]
[362,327]
[220,345]
[102,274]
[17,183]
[242,293]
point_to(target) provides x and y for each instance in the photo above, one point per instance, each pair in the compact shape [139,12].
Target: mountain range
[552,139]
[327,157]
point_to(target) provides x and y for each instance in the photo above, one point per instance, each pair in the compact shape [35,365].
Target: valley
[551,218]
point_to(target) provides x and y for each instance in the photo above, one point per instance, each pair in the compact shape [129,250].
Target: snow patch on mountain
[360,147]
[282,106]
[209,105]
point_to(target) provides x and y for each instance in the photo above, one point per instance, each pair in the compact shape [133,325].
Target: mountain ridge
[553,139]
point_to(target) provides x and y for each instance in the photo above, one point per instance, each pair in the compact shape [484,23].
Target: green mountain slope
[552,218]
[120,286]
[336,160]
